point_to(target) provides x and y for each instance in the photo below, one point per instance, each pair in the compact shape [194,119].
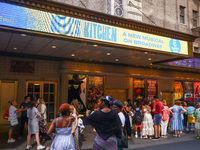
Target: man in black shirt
[26,104]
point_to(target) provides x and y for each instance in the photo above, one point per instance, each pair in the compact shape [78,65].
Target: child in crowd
[138,120]
[165,119]
[191,119]
[197,123]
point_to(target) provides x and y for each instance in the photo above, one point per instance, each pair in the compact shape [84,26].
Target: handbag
[195,114]
[14,122]
[5,115]
[123,141]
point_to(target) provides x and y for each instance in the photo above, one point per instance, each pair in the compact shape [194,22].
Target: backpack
[5,115]
[138,117]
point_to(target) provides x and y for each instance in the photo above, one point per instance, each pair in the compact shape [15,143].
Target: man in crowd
[157,110]
[26,104]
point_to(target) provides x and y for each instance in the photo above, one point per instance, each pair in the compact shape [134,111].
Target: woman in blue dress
[63,125]
[177,124]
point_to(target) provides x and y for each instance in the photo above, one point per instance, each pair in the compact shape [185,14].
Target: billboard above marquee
[36,20]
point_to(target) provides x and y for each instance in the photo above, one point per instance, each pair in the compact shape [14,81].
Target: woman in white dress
[147,130]
[33,125]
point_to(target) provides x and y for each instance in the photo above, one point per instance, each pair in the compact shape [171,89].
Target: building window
[196,49]
[194,19]
[182,14]
[115,7]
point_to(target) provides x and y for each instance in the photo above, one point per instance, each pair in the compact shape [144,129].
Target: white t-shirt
[12,113]
[122,118]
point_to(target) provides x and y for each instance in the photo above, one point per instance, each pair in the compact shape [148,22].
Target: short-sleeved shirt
[12,113]
[158,106]
[24,104]
[190,110]
[122,118]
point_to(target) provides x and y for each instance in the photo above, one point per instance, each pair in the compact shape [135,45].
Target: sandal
[175,135]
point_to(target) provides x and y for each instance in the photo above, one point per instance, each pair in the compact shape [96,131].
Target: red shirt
[158,106]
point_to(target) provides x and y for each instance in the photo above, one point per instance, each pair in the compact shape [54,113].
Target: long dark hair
[33,104]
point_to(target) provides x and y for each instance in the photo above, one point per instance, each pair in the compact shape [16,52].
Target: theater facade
[60,52]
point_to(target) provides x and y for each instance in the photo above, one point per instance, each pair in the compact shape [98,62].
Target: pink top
[165,113]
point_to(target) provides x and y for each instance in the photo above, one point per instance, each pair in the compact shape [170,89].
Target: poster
[178,90]
[151,89]
[139,89]
[196,90]
[77,90]
[188,91]
[95,90]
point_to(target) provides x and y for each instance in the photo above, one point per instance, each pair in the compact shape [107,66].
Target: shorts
[11,127]
[138,125]
[157,119]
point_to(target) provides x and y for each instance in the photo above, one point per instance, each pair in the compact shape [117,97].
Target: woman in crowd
[165,119]
[117,106]
[197,123]
[176,111]
[107,124]
[75,131]
[63,126]
[127,113]
[191,119]
[148,130]
[42,120]
[12,116]
[33,125]
[185,116]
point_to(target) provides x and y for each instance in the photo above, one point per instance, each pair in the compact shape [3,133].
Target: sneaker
[28,147]
[136,136]
[11,140]
[154,138]
[165,136]
[145,137]
[48,148]
[197,137]
[141,136]
[40,147]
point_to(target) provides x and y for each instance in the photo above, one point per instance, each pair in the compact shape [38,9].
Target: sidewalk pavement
[88,135]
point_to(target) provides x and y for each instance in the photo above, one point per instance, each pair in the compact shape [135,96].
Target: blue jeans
[189,126]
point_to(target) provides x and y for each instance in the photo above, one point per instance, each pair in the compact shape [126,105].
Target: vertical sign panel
[151,89]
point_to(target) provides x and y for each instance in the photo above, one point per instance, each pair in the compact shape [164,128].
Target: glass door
[45,90]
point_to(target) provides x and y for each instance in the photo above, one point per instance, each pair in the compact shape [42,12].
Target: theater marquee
[36,20]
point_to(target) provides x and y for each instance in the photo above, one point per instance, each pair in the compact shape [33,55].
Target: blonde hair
[41,101]
[125,103]
[71,108]
[75,103]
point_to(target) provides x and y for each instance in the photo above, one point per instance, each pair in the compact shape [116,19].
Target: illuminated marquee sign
[36,20]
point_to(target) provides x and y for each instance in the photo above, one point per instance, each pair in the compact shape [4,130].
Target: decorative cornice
[77,12]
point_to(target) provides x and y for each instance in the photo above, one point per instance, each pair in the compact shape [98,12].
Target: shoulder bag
[14,122]
[123,141]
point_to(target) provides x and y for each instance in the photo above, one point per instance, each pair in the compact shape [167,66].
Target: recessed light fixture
[15,48]
[145,53]
[149,59]
[116,59]
[72,55]
[95,45]
[23,34]
[90,60]
[53,46]
[151,64]
[108,54]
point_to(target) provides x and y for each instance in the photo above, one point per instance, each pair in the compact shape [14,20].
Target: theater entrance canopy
[51,30]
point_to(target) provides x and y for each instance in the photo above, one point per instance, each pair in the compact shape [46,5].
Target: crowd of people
[110,118]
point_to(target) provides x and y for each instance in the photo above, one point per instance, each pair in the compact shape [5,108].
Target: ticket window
[47,91]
